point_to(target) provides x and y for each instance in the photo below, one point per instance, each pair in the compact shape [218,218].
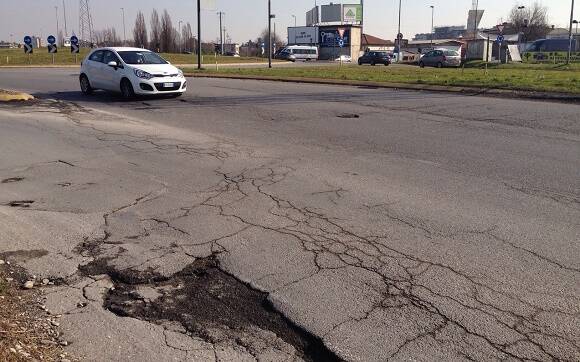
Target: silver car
[440,58]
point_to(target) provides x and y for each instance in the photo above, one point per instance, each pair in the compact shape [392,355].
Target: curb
[10,96]
[474,91]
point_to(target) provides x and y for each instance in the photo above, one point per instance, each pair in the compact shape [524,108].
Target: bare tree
[140,31]
[167,33]
[155,31]
[276,41]
[189,41]
[531,21]
[107,37]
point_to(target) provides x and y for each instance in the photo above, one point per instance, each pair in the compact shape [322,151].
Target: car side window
[97,56]
[439,53]
[109,56]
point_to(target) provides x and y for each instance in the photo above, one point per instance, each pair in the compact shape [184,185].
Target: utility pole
[199,34]
[181,41]
[432,24]
[64,13]
[399,35]
[294,16]
[56,12]
[571,36]
[270,16]
[221,14]
[124,32]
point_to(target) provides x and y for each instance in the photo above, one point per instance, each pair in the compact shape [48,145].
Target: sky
[245,19]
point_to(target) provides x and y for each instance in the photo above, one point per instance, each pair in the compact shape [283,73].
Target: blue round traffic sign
[500,38]
[341,43]
[74,39]
[27,40]
[51,39]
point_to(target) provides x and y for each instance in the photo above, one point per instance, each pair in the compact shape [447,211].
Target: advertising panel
[352,13]
[303,35]
[330,38]
[331,13]
[312,17]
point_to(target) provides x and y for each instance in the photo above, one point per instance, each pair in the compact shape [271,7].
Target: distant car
[130,71]
[374,58]
[440,58]
[344,59]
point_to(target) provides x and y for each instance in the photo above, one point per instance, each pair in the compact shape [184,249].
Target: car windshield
[141,57]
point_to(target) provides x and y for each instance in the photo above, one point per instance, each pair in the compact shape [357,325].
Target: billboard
[312,17]
[352,13]
[474,19]
[303,35]
[331,13]
[330,38]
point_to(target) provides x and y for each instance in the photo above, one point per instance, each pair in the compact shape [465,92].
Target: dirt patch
[20,256]
[201,298]
[26,332]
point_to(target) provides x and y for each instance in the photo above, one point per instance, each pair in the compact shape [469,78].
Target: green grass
[514,77]
[64,57]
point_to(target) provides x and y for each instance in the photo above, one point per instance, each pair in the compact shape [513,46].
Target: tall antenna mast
[85,23]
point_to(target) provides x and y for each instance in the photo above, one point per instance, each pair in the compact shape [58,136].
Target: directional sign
[28,49]
[52,48]
[51,39]
[341,43]
[28,40]
[74,39]
[500,39]
[74,48]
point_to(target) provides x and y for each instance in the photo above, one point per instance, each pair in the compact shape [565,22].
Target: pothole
[12,179]
[348,115]
[203,299]
[21,204]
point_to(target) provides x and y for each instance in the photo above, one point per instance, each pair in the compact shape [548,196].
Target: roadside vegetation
[523,77]
[40,56]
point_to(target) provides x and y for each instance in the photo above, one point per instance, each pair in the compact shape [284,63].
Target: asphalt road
[390,225]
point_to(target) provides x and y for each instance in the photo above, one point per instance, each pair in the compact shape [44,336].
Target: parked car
[344,59]
[130,71]
[374,58]
[298,52]
[440,58]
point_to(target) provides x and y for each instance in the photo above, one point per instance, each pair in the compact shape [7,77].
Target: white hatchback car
[130,71]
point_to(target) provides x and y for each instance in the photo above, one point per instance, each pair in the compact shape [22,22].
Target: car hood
[161,69]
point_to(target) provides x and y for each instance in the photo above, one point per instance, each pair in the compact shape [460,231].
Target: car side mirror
[113,64]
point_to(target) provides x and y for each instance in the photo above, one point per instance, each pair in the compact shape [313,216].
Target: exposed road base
[535,95]
[7,96]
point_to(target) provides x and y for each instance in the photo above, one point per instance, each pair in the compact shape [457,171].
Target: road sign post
[52,48]
[74,47]
[28,48]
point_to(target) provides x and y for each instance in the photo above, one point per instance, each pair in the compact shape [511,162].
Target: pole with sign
[74,47]
[28,48]
[52,48]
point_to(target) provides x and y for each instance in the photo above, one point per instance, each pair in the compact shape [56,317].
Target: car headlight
[180,73]
[142,74]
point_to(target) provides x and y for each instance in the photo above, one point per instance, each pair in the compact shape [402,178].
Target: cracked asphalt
[325,223]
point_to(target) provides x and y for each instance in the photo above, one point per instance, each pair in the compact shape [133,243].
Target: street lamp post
[294,16]
[199,34]
[56,12]
[571,36]
[399,35]
[432,24]
[124,32]
[270,17]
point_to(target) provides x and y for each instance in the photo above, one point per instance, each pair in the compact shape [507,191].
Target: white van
[298,52]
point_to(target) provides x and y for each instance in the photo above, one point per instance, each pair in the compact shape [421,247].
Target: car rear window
[451,53]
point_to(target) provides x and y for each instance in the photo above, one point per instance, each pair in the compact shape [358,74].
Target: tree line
[160,36]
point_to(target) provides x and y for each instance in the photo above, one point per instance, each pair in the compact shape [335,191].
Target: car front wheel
[422,65]
[439,65]
[85,85]
[127,89]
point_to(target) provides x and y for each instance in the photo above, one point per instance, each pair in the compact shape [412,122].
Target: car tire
[439,65]
[85,85]
[373,63]
[421,64]
[127,90]
[386,64]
